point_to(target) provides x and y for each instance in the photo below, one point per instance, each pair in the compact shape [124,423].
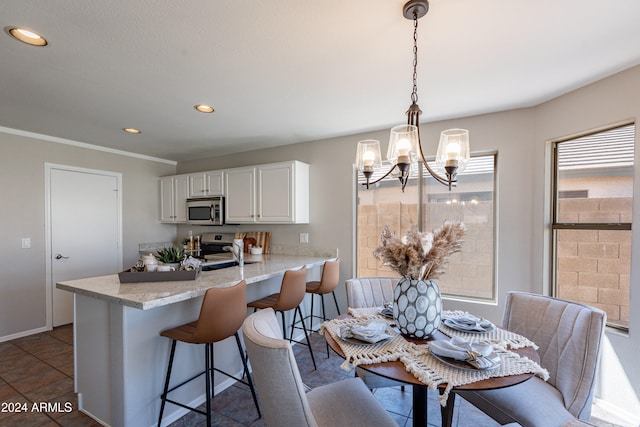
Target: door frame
[48,167]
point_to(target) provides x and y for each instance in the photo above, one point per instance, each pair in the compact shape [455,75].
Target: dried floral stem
[420,256]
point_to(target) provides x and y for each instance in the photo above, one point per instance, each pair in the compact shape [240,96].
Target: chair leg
[163,396]
[207,381]
[313,296]
[284,327]
[304,328]
[324,317]
[211,365]
[246,373]
[336,301]
[293,324]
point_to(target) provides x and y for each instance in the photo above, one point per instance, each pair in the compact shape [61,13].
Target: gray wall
[23,281]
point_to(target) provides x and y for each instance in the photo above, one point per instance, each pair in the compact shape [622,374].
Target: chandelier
[405,146]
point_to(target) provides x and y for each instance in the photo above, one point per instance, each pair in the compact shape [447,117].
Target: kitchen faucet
[238,252]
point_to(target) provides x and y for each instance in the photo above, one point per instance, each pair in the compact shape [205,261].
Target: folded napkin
[469,322]
[372,332]
[478,355]
[387,312]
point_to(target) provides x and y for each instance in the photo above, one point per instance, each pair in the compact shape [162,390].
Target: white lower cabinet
[276,193]
[174,191]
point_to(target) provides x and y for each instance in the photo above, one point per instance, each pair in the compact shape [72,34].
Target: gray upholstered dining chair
[281,391]
[367,292]
[569,336]
[370,291]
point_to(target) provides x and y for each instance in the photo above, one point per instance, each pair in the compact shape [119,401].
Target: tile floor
[39,369]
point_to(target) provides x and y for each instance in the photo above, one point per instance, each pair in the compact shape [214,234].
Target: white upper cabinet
[205,184]
[275,193]
[174,191]
[240,192]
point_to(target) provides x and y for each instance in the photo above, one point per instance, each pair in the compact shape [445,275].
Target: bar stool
[221,315]
[327,284]
[290,297]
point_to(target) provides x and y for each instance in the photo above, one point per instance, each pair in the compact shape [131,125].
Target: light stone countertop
[148,295]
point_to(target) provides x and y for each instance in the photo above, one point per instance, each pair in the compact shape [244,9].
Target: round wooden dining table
[396,371]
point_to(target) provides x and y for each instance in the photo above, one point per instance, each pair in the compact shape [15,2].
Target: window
[591,223]
[427,204]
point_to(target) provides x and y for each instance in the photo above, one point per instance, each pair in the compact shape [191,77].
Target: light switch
[26,242]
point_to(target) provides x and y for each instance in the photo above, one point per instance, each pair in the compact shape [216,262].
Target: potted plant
[172,256]
[419,257]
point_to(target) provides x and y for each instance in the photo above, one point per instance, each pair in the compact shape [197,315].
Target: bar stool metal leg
[246,373]
[306,335]
[163,396]
[207,380]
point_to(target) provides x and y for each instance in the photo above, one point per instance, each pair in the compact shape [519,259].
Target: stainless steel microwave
[206,211]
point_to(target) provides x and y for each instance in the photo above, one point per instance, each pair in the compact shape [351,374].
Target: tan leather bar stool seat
[221,315]
[290,297]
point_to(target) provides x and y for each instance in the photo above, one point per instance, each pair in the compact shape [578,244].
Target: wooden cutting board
[262,239]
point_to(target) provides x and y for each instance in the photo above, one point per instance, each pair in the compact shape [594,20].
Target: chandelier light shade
[453,150]
[405,145]
[368,157]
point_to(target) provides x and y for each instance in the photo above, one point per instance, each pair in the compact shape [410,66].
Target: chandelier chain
[414,94]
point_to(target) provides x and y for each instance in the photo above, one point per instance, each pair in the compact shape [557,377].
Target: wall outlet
[26,242]
[304,237]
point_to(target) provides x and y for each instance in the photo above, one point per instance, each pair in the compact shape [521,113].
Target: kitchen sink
[223,264]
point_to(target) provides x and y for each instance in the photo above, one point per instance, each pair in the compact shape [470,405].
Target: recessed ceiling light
[204,108]
[132,130]
[26,36]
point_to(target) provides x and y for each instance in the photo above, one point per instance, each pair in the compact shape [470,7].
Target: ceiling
[286,71]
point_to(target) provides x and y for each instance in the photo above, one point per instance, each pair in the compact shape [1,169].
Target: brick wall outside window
[594,266]
[469,273]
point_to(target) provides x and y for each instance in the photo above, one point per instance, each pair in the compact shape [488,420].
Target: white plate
[460,364]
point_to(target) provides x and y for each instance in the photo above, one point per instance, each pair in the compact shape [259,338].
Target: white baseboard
[24,334]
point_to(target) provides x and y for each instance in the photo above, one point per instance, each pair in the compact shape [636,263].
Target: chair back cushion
[330,277]
[366,292]
[569,336]
[275,372]
[292,290]
[222,313]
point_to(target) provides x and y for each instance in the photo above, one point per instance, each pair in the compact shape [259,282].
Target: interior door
[85,231]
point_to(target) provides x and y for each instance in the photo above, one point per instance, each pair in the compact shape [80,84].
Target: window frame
[555,226]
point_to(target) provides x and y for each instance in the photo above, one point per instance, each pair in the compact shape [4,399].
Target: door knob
[59,256]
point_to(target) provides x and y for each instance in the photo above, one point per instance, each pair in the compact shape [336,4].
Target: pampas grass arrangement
[420,255]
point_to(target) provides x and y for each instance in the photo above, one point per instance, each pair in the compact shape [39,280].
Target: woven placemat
[361,353]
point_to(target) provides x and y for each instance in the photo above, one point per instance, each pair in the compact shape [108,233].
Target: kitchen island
[120,358]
